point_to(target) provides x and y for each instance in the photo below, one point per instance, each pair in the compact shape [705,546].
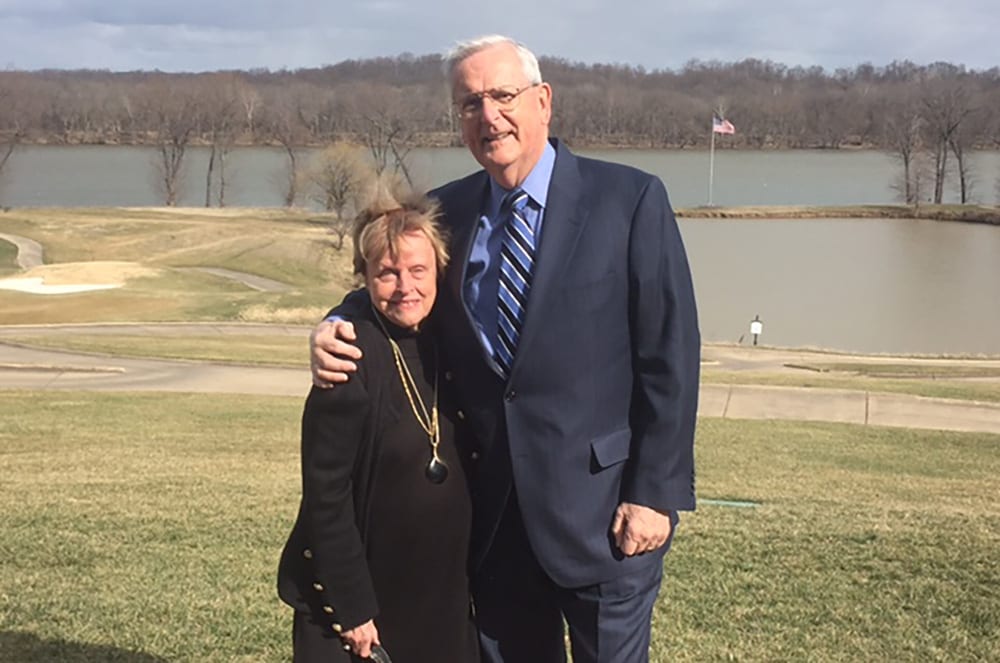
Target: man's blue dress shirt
[482,276]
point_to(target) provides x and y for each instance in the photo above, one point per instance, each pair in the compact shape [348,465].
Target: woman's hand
[361,638]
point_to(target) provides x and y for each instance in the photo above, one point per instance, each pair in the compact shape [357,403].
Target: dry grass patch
[85,244]
[280,244]
[110,272]
[8,258]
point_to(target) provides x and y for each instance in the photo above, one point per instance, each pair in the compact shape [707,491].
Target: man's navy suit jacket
[601,401]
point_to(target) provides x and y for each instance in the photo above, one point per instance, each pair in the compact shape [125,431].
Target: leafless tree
[393,104]
[904,136]
[12,118]
[338,177]
[281,118]
[946,104]
[170,107]
[219,106]
[386,130]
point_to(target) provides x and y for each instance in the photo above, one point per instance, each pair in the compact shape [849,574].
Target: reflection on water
[869,285]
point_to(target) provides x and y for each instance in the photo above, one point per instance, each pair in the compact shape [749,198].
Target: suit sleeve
[333,429]
[666,347]
[355,303]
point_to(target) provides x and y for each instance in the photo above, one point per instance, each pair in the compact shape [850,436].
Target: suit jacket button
[308,554]
[510,395]
[461,415]
[337,628]
[474,455]
[318,587]
[328,609]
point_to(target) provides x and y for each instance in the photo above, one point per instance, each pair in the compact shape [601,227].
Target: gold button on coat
[318,587]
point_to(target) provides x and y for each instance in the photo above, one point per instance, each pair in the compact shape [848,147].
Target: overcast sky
[200,35]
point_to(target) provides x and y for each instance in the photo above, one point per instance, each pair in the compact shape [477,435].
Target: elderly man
[568,322]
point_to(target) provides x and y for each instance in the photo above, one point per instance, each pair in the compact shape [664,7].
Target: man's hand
[332,353]
[639,529]
[361,638]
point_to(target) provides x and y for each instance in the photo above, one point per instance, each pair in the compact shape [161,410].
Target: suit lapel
[462,205]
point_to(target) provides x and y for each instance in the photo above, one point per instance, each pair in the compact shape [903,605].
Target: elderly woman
[378,553]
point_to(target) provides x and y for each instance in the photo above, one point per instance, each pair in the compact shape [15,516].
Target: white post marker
[756,328]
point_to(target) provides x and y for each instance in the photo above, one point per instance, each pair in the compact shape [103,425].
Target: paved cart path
[28,368]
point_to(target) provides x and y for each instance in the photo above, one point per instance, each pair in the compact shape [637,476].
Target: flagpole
[711,166]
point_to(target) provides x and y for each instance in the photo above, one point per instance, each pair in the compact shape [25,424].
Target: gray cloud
[191,35]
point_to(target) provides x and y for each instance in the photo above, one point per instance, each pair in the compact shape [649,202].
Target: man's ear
[545,102]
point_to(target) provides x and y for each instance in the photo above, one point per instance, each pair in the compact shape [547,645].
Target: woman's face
[403,290]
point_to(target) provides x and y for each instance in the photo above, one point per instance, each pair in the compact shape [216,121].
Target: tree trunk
[208,176]
[222,176]
[293,177]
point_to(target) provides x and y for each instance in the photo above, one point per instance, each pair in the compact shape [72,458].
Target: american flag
[721,126]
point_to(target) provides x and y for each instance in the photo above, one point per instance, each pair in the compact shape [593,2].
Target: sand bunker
[73,277]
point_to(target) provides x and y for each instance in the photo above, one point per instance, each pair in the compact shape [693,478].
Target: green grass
[950,212]
[144,523]
[8,258]
[987,391]
[257,350]
[933,371]
[146,527]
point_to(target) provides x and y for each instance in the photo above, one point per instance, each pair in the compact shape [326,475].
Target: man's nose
[490,112]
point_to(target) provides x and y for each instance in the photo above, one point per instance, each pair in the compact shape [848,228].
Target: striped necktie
[517,257]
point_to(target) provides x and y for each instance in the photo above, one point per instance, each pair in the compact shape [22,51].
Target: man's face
[509,143]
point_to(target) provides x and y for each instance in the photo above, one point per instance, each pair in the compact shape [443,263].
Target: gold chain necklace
[436,470]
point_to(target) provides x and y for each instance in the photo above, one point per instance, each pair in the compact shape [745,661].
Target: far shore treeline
[929,116]
[771,105]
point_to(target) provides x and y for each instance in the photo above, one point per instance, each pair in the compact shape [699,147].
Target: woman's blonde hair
[378,228]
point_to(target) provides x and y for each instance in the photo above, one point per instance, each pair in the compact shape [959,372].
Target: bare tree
[282,118]
[337,177]
[393,104]
[12,124]
[386,130]
[903,134]
[249,102]
[171,109]
[219,101]
[946,104]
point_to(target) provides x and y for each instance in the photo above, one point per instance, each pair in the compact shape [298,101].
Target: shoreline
[981,214]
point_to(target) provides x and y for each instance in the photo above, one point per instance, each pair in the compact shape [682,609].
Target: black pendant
[436,471]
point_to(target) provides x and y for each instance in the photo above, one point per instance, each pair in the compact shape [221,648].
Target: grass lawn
[950,387]
[258,350]
[8,258]
[146,527]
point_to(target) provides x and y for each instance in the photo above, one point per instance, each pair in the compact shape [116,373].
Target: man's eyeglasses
[504,98]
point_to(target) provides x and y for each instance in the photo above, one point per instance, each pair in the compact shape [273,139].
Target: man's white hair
[464,49]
